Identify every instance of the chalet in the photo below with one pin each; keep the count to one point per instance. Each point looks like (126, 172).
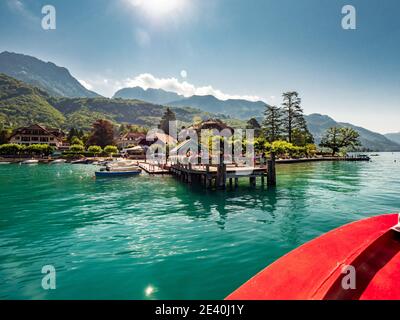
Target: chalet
(38, 134)
(130, 139)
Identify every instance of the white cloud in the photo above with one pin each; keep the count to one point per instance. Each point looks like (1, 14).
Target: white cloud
(147, 80)
(107, 87)
(17, 6)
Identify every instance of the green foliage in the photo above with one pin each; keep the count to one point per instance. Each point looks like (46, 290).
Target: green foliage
(168, 116)
(34, 149)
(76, 140)
(337, 138)
(110, 150)
(22, 104)
(11, 149)
(102, 134)
(272, 124)
(293, 119)
(5, 135)
(288, 150)
(95, 150)
(261, 145)
(76, 148)
(39, 149)
(253, 124)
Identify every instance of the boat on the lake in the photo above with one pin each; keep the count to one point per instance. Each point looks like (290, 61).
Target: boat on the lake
(358, 261)
(119, 168)
(30, 161)
(4, 162)
(58, 161)
(82, 161)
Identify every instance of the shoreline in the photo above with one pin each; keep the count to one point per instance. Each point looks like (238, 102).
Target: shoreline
(278, 161)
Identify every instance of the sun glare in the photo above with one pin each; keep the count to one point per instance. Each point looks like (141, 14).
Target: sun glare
(159, 8)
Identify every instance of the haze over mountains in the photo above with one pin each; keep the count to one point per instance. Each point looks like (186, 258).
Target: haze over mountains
(50, 94)
(395, 137)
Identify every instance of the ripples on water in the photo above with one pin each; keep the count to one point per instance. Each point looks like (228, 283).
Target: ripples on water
(117, 238)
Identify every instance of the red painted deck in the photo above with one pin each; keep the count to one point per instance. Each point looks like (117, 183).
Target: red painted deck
(314, 270)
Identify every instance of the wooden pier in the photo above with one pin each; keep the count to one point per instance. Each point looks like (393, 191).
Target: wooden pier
(220, 176)
(154, 168)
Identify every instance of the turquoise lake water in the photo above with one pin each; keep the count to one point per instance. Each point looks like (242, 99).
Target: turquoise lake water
(156, 238)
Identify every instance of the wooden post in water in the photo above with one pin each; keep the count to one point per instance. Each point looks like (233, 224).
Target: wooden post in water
(271, 175)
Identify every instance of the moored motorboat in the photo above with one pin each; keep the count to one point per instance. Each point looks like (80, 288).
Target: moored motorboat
(119, 168)
(5, 162)
(30, 161)
(81, 161)
(359, 261)
(58, 161)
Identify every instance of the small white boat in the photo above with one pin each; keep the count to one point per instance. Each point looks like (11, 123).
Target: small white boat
(5, 163)
(119, 168)
(31, 161)
(58, 161)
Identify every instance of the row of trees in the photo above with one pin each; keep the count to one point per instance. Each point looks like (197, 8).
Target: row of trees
(18, 149)
(286, 127)
(77, 146)
(287, 122)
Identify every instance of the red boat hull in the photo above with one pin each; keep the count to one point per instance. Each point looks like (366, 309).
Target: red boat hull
(315, 271)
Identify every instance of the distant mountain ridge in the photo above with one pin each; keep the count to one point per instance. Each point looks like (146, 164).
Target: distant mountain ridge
(395, 137)
(22, 104)
(55, 80)
(235, 108)
(157, 96)
(318, 124)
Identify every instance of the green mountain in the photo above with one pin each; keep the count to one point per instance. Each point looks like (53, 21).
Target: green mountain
(395, 137)
(55, 80)
(373, 141)
(235, 108)
(22, 104)
(157, 96)
(82, 112)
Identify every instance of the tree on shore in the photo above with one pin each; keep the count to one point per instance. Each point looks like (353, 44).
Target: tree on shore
(95, 150)
(102, 134)
(76, 148)
(337, 138)
(253, 124)
(294, 123)
(272, 124)
(168, 116)
(110, 150)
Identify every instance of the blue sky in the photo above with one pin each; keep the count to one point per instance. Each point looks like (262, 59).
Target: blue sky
(231, 48)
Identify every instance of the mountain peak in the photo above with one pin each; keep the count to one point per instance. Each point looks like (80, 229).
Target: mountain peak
(55, 80)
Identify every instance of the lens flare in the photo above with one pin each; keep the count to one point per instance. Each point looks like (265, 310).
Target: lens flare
(159, 8)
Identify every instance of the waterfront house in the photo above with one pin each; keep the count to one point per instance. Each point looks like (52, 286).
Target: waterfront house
(38, 134)
(130, 139)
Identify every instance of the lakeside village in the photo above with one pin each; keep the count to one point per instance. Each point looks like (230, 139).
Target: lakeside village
(208, 151)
